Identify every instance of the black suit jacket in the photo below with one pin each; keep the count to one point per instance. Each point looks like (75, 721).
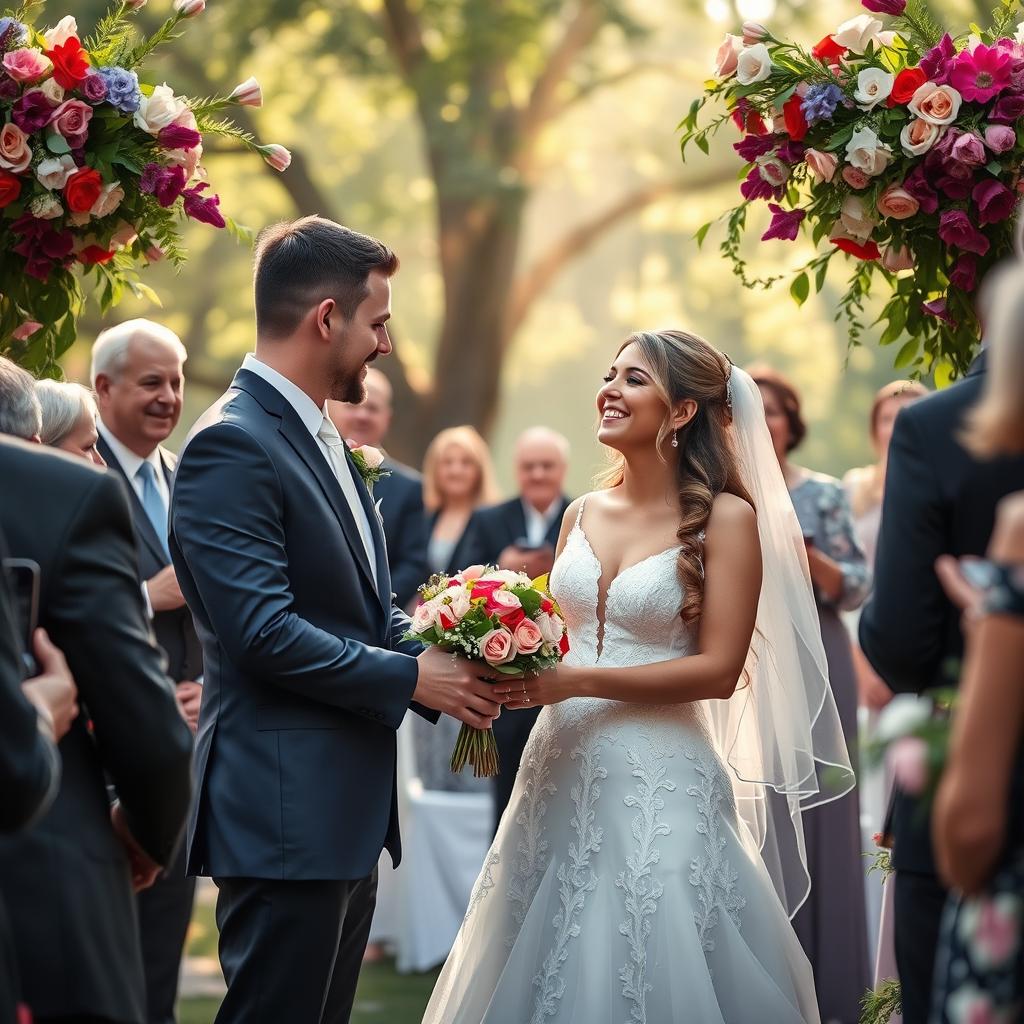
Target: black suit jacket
(306, 680)
(66, 881)
(174, 630)
(938, 500)
(491, 530)
(405, 528)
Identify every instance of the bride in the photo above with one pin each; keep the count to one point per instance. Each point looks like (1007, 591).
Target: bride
(652, 853)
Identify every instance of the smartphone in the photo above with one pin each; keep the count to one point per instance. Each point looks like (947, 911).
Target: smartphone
(23, 576)
(980, 573)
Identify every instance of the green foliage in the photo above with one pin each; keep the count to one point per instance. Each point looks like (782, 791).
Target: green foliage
(879, 1006)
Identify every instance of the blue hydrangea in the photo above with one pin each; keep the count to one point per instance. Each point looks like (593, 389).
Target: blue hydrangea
(122, 89)
(12, 34)
(820, 102)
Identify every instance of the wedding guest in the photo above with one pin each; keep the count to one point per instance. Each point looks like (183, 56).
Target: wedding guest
(400, 492)
(832, 924)
(939, 499)
(69, 419)
(520, 534)
(20, 415)
(458, 478)
(67, 882)
(138, 373)
(978, 824)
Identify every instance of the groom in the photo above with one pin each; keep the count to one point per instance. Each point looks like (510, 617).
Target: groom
(281, 558)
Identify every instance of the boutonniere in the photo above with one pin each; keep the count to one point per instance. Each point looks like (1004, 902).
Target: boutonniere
(370, 464)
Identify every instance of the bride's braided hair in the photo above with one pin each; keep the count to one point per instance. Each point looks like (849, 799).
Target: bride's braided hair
(684, 365)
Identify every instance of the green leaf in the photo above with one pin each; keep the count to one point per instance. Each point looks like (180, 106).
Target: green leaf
(702, 144)
(906, 355)
(702, 233)
(800, 288)
(57, 144)
(507, 670)
(819, 276)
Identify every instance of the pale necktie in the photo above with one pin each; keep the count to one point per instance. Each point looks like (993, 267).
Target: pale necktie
(153, 502)
(328, 433)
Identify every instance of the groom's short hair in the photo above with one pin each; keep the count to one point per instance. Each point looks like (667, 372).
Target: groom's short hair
(300, 263)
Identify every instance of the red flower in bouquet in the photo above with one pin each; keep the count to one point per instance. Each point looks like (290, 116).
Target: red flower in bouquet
(93, 254)
(793, 116)
(83, 188)
(70, 63)
(908, 81)
(855, 247)
(828, 51)
(10, 188)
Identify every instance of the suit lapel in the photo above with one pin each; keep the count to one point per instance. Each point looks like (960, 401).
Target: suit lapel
(144, 530)
(517, 520)
(376, 531)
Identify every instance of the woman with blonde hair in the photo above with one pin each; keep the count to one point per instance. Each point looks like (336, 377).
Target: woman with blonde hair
(458, 478)
(69, 418)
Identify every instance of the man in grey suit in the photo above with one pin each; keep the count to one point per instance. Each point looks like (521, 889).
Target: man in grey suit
(138, 376)
(281, 558)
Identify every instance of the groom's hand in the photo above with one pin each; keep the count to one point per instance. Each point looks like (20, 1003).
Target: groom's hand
(455, 686)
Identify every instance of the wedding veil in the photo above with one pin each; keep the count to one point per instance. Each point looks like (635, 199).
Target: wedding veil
(780, 732)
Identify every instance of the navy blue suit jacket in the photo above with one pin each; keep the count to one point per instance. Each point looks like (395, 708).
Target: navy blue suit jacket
(306, 676)
(400, 498)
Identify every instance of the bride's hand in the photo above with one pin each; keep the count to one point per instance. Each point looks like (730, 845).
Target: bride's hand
(549, 687)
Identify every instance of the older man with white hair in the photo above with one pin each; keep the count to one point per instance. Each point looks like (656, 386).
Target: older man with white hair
(138, 377)
(20, 414)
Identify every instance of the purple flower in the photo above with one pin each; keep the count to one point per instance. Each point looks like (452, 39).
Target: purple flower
(12, 34)
(203, 208)
(820, 102)
(1009, 109)
(965, 273)
(979, 74)
(94, 89)
(969, 149)
(176, 136)
(32, 111)
(785, 224)
(937, 309)
(754, 146)
(165, 183)
(1000, 138)
(920, 188)
(894, 7)
(956, 230)
(936, 62)
(122, 89)
(995, 201)
(755, 187)
(792, 152)
(9, 88)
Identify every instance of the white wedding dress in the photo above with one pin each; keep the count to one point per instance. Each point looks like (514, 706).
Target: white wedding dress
(622, 886)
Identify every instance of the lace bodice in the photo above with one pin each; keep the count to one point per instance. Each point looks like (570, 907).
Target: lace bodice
(641, 609)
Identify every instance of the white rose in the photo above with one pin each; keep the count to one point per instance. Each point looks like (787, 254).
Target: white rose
(109, 199)
(457, 598)
(754, 64)
(918, 136)
(902, 715)
(550, 627)
(506, 599)
(858, 33)
(422, 618)
(46, 207)
(867, 153)
(507, 576)
(856, 219)
(374, 458)
(52, 91)
(64, 30)
(159, 110)
(53, 173)
(1019, 34)
(873, 86)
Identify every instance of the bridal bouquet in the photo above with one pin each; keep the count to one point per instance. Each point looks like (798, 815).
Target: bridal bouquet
(97, 168)
(495, 616)
(900, 146)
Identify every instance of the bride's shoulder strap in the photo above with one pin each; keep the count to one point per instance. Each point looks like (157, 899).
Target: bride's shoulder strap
(579, 510)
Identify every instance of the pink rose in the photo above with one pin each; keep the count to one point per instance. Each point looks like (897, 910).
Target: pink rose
(908, 760)
(855, 218)
(15, 152)
(821, 165)
(109, 199)
(754, 32)
(895, 260)
(527, 637)
(938, 104)
(919, 136)
(773, 170)
(124, 234)
(727, 56)
(26, 65)
(551, 627)
(472, 572)
(1000, 138)
(497, 647)
(374, 458)
(71, 120)
(969, 149)
(855, 178)
(53, 173)
(422, 618)
(25, 330)
(896, 203)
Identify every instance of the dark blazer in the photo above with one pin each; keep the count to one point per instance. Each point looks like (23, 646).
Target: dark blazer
(938, 500)
(66, 881)
(491, 530)
(174, 630)
(306, 676)
(400, 496)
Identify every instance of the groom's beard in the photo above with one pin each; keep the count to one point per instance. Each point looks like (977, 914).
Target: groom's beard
(348, 389)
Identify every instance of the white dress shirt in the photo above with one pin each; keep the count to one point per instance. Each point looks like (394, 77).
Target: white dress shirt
(313, 419)
(538, 523)
(130, 463)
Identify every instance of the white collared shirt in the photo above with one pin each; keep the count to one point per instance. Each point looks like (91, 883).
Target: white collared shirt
(130, 463)
(312, 416)
(538, 523)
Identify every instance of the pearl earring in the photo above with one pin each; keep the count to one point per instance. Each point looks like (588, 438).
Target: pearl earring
(675, 440)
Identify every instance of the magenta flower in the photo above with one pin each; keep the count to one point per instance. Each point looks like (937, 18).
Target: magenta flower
(937, 309)
(203, 208)
(956, 230)
(980, 74)
(755, 187)
(32, 112)
(165, 183)
(964, 274)
(995, 201)
(894, 7)
(785, 224)
(920, 188)
(754, 146)
(1008, 109)
(177, 136)
(936, 62)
